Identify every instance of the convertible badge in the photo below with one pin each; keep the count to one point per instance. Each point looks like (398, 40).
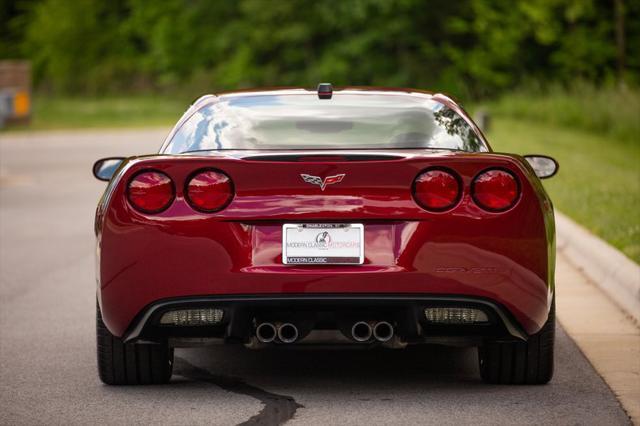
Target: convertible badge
(317, 180)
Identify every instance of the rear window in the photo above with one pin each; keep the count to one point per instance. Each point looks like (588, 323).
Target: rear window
(347, 121)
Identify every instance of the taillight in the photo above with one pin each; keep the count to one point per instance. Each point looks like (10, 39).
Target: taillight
(209, 191)
(495, 190)
(150, 192)
(437, 189)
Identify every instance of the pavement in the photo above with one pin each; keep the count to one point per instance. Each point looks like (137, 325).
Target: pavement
(47, 333)
(612, 271)
(606, 334)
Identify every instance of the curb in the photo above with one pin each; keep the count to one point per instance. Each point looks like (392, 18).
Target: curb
(608, 268)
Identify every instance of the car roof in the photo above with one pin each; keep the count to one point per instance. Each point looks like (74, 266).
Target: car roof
(348, 90)
(352, 90)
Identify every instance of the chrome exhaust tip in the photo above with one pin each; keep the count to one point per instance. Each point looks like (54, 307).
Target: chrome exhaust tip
(266, 332)
(361, 331)
(383, 331)
(287, 333)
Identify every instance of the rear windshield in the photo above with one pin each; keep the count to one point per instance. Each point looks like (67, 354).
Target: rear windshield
(347, 121)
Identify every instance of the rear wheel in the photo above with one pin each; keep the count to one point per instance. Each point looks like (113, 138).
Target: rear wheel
(128, 363)
(529, 362)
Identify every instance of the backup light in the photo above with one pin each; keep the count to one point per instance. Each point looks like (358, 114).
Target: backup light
(455, 315)
(192, 317)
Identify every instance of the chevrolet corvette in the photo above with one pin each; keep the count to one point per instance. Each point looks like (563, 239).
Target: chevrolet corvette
(369, 217)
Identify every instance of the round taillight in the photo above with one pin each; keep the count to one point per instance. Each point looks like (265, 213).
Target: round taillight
(495, 190)
(436, 190)
(209, 191)
(150, 192)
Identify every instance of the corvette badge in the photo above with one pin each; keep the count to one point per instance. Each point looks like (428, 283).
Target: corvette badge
(317, 180)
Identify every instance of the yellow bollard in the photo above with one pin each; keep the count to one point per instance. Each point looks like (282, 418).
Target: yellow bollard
(21, 104)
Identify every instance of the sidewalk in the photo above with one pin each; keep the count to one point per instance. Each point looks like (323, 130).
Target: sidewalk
(613, 272)
(607, 336)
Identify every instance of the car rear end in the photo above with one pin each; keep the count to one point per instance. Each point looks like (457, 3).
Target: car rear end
(342, 246)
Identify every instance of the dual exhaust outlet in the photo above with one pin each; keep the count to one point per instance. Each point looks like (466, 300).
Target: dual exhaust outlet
(361, 331)
(268, 332)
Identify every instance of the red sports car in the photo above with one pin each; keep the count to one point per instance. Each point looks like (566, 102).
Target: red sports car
(359, 216)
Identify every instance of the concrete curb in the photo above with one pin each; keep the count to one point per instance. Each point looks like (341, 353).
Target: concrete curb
(608, 268)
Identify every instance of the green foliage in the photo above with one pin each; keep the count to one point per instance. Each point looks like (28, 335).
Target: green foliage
(80, 45)
(12, 25)
(598, 184)
(469, 48)
(555, 40)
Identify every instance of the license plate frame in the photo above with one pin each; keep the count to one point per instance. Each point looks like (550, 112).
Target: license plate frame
(310, 246)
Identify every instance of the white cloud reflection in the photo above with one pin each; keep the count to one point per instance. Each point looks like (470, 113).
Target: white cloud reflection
(347, 121)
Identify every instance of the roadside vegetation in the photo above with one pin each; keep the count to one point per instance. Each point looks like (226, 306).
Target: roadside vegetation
(90, 112)
(611, 111)
(468, 48)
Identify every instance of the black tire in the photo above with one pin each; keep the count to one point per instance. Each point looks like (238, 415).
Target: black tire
(128, 363)
(520, 363)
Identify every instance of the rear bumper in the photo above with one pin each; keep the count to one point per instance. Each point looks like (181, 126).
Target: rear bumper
(406, 258)
(406, 313)
(131, 293)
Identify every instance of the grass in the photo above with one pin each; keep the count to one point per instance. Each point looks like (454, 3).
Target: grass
(70, 113)
(598, 184)
(610, 111)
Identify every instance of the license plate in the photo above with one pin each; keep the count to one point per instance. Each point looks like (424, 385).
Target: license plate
(323, 243)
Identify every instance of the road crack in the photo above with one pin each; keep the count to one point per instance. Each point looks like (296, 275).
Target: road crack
(277, 409)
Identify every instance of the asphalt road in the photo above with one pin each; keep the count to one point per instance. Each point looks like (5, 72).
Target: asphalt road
(47, 341)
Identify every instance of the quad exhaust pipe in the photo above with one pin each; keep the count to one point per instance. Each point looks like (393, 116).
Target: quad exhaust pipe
(362, 331)
(383, 331)
(287, 333)
(267, 332)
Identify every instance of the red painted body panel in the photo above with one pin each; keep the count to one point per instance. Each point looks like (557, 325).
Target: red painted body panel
(506, 257)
